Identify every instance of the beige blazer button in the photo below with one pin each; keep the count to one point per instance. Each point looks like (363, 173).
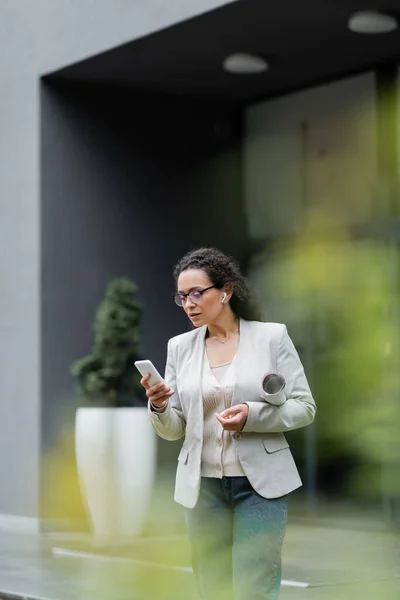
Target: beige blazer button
(237, 436)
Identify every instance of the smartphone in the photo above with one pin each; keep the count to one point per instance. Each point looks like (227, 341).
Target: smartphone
(146, 366)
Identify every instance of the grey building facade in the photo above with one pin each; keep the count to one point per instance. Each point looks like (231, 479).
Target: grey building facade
(37, 39)
(99, 178)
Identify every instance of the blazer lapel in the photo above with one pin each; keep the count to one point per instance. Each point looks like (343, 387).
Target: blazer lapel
(244, 366)
(197, 355)
(195, 374)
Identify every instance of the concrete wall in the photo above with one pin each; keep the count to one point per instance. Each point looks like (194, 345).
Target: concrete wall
(128, 186)
(36, 38)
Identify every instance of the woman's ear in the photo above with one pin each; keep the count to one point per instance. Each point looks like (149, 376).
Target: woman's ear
(228, 290)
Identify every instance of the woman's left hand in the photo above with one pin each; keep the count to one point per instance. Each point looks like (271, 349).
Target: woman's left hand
(234, 418)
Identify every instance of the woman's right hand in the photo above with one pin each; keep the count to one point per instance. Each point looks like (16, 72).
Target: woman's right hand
(158, 394)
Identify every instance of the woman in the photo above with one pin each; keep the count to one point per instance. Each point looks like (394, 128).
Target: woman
(235, 468)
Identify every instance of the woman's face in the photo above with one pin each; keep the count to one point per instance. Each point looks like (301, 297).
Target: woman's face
(208, 307)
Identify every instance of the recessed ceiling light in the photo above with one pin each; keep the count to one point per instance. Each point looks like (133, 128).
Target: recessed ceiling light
(245, 64)
(372, 22)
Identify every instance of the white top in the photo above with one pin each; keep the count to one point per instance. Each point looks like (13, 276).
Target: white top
(220, 370)
(218, 456)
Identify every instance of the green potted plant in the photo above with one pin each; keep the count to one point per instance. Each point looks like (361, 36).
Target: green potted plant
(112, 428)
(106, 376)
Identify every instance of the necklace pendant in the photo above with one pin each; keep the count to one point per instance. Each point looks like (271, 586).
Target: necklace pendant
(224, 341)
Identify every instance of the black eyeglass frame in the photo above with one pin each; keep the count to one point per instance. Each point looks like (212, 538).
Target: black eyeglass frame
(201, 292)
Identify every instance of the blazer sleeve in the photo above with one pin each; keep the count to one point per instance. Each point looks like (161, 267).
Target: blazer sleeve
(298, 406)
(169, 423)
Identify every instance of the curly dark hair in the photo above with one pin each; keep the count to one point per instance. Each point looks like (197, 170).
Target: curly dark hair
(222, 269)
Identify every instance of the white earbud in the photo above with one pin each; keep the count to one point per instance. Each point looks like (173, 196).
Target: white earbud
(224, 297)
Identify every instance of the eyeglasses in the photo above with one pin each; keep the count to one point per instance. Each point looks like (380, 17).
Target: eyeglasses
(194, 295)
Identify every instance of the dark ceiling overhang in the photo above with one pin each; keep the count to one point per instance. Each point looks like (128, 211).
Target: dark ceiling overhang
(307, 42)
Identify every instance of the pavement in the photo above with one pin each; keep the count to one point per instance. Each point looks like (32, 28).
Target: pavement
(334, 560)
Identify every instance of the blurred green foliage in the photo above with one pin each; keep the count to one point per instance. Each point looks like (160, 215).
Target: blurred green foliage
(345, 292)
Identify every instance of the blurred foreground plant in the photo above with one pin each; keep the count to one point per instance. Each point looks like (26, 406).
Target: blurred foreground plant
(343, 291)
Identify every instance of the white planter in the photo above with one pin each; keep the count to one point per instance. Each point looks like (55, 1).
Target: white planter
(116, 458)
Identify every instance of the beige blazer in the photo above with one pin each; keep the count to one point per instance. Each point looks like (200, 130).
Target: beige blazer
(261, 445)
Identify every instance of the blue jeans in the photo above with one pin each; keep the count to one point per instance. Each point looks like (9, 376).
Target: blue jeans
(236, 539)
